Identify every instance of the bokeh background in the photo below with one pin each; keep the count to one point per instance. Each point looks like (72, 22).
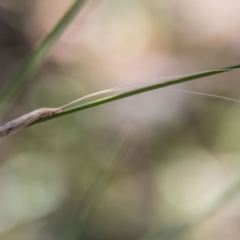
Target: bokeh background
(160, 164)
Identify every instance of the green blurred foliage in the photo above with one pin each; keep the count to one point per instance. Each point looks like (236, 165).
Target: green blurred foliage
(185, 151)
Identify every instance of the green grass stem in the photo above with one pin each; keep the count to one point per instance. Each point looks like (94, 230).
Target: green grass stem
(35, 58)
(148, 88)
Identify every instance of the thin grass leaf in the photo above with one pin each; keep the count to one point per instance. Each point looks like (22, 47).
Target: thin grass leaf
(35, 58)
(126, 94)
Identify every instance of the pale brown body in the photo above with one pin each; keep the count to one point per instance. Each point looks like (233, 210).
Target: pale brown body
(25, 120)
(41, 113)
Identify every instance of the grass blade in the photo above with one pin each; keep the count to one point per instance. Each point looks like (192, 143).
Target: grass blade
(148, 88)
(89, 203)
(40, 52)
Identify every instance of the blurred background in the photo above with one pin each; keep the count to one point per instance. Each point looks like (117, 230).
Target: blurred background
(146, 167)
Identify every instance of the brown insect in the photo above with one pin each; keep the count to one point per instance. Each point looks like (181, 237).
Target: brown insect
(41, 113)
(25, 120)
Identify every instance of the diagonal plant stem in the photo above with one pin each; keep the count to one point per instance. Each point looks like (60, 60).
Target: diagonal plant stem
(148, 88)
(35, 58)
(44, 114)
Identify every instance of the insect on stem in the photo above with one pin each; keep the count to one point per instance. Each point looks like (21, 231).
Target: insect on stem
(42, 113)
(39, 114)
(25, 120)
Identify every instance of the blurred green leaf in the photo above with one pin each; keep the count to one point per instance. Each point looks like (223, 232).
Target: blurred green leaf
(35, 58)
(94, 194)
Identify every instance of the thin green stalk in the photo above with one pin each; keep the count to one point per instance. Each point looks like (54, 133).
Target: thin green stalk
(99, 186)
(112, 98)
(37, 56)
